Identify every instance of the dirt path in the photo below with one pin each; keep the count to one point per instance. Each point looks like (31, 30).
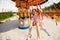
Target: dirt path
(10, 31)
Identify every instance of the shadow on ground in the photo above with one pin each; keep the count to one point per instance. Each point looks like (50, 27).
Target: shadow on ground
(7, 26)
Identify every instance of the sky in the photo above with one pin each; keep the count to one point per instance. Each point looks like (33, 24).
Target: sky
(8, 5)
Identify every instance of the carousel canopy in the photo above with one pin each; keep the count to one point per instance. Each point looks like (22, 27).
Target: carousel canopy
(28, 3)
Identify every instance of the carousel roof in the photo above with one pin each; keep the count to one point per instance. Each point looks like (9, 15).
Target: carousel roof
(28, 3)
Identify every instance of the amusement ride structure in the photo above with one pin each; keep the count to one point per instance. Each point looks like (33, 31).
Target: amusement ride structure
(25, 16)
(24, 5)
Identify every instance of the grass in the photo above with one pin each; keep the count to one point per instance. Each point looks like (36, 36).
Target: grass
(5, 15)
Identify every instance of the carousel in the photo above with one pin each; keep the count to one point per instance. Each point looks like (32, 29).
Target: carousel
(28, 18)
(23, 13)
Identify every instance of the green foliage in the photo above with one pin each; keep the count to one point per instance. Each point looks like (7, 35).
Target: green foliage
(5, 15)
(52, 7)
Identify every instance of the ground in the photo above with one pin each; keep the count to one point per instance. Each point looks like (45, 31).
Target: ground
(9, 30)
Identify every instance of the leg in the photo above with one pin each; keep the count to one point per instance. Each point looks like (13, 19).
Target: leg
(41, 25)
(29, 33)
(29, 22)
(56, 23)
(30, 29)
(37, 31)
(46, 32)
